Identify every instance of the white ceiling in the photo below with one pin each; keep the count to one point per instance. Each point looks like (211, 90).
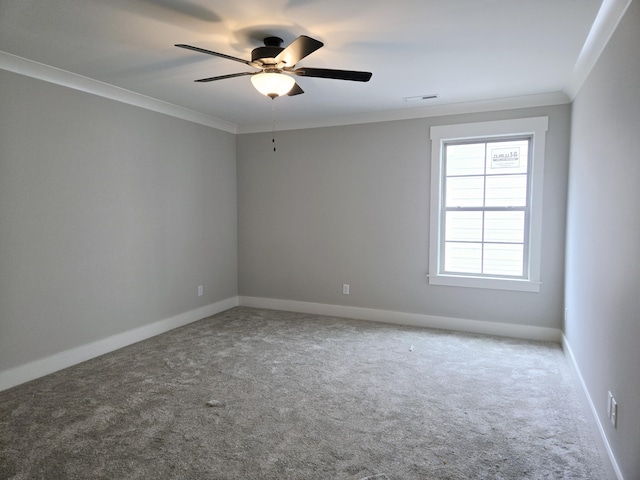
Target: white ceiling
(463, 50)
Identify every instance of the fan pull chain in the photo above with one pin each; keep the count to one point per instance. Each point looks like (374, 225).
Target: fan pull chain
(273, 123)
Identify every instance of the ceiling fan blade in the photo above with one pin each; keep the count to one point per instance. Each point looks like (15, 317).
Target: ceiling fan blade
(295, 90)
(222, 77)
(215, 54)
(298, 49)
(330, 73)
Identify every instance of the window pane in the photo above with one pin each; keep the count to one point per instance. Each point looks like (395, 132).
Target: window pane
(504, 227)
(463, 257)
(503, 259)
(463, 226)
(464, 192)
(506, 191)
(507, 157)
(465, 159)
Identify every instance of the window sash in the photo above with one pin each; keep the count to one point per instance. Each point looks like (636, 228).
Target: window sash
(482, 242)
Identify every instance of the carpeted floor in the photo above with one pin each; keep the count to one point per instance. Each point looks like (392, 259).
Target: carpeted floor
(260, 394)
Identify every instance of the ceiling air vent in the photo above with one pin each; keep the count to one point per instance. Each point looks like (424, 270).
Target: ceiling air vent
(421, 98)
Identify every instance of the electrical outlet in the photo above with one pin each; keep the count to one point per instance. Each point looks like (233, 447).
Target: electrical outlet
(614, 412)
(345, 289)
(200, 290)
(612, 409)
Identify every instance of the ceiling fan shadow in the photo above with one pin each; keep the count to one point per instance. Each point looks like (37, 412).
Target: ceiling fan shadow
(190, 9)
(153, 69)
(170, 11)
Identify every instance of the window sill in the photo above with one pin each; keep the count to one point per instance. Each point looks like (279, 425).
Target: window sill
(484, 282)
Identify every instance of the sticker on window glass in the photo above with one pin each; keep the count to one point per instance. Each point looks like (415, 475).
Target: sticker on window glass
(505, 157)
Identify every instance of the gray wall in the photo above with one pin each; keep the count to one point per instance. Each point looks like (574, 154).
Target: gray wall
(350, 205)
(110, 217)
(603, 238)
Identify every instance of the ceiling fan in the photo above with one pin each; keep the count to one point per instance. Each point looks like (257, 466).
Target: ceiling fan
(276, 65)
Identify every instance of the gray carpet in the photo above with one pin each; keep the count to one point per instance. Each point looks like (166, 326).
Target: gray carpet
(260, 394)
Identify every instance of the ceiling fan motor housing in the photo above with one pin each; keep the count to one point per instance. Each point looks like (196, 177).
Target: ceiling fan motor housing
(268, 53)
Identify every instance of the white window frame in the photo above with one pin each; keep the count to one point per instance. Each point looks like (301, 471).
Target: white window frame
(536, 127)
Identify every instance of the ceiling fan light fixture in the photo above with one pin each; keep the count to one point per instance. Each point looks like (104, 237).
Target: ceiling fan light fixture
(273, 84)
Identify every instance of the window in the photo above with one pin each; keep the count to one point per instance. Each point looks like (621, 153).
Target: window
(486, 204)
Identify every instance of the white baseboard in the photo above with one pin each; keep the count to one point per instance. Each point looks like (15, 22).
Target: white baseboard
(572, 360)
(410, 319)
(44, 366)
(53, 363)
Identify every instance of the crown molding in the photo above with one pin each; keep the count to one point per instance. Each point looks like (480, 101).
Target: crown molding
(508, 103)
(47, 73)
(606, 22)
